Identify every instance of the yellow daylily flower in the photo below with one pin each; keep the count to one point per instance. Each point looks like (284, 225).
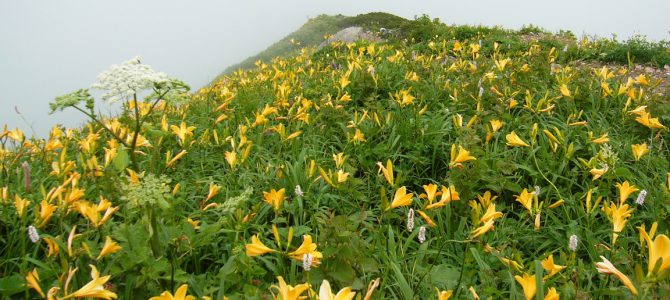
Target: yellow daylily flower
(33, 281)
(447, 195)
(213, 190)
(256, 247)
(619, 216)
(484, 228)
(231, 158)
(512, 264)
(344, 81)
(646, 120)
(194, 223)
(526, 199)
(110, 247)
(625, 189)
(601, 140)
(401, 198)
(490, 214)
(275, 198)
(443, 295)
(641, 79)
(180, 294)
(325, 293)
(473, 293)
(20, 205)
(659, 251)
(426, 218)
(183, 132)
(606, 267)
(16, 134)
(387, 171)
(46, 211)
(514, 140)
(462, 156)
(287, 292)
(597, 173)
(564, 90)
(639, 150)
(549, 266)
(496, 125)
(52, 245)
(339, 159)
(431, 192)
(404, 98)
(527, 282)
(358, 137)
(342, 176)
(95, 288)
(552, 294)
(457, 119)
(639, 111)
(307, 247)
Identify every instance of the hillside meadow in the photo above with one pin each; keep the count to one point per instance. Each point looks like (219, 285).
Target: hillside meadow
(447, 162)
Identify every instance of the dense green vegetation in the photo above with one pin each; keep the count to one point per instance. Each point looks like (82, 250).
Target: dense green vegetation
(634, 50)
(452, 161)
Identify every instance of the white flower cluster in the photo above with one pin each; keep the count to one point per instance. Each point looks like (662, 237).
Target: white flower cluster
(422, 234)
(307, 260)
(126, 79)
(640, 197)
(573, 243)
(33, 235)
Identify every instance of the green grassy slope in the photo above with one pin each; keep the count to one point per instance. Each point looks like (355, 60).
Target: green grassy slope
(312, 33)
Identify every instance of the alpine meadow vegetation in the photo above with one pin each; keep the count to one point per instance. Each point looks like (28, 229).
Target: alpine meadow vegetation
(447, 162)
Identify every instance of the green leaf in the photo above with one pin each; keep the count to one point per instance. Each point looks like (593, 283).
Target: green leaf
(11, 285)
(122, 159)
(444, 275)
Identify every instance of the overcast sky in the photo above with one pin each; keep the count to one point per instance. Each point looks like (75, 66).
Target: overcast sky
(49, 48)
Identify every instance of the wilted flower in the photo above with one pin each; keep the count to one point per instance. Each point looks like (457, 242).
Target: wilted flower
(606, 267)
(573, 242)
(32, 234)
(26, 175)
(410, 220)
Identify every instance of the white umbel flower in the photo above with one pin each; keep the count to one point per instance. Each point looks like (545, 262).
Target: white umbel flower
(422, 234)
(307, 260)
(124, 80)
(640, 197)
(32, 234)
(573, 242)
(410, 220)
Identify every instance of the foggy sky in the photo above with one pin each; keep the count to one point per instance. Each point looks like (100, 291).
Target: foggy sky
(49, 48)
